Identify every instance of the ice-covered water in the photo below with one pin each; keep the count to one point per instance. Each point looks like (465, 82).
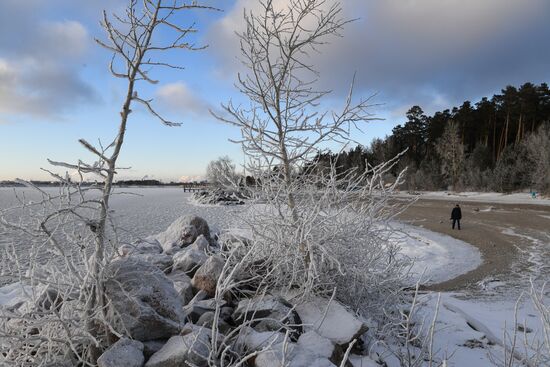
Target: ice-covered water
(141, 215)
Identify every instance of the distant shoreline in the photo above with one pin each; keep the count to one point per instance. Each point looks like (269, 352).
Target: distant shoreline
(125, 183)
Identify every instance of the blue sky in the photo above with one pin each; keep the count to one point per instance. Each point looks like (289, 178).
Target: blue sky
(55, 87)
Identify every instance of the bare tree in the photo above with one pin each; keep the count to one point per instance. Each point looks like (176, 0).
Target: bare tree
(75, 226)
(221, 172)
(322, 223)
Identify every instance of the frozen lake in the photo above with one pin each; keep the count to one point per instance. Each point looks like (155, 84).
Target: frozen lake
(141, 215)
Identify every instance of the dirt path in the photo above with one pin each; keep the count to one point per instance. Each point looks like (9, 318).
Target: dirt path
(514, 240)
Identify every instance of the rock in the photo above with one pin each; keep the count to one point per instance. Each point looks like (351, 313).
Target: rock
(207, 320)
(337, 324)
(162, 261)
(295, 356)
(125, 352)
(189, 261)
(201, 244)
(272, 314)
(320, 346)
(183, 350)
(253, 340)
(362, 361)
(182, 285)
(143, 300)
(206, 277)
(144, 246)
(316, 344)
(183, 232)
(150, 347)
(219, 197)
(196, 308)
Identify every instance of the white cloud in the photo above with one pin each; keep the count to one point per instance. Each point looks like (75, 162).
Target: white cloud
(40, 62)
(40, 89)
(179, 98)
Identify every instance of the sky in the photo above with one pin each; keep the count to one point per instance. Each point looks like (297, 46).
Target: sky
(55, 87)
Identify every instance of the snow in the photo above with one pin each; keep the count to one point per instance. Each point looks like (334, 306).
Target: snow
(480, 197)
(471, 331)
(437, 257)
(331, 320)
(14, 294)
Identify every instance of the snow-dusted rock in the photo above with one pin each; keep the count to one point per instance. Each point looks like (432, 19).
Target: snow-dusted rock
(182, 285)
(320, 346)
(295, 356)
(338, 324)
(253, 340)
(207, 275)
(272, 313)
(219, 196)
(200, 244)
(316, 344)
(145, 246)
(125, 352)
(189, 261)
(362, 361)
(183, 232)
(162, 261)
(143, 299)
(183, 350)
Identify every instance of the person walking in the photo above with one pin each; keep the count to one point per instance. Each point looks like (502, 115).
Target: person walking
(456, 216)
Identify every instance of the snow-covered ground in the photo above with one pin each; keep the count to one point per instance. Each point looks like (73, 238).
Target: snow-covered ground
(438, 257)
(480, 197)
(473, 332)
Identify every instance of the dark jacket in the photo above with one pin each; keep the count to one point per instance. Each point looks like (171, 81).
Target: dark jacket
(456, 213)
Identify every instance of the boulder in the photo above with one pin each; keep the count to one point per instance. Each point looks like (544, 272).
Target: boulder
(125, 352)
(207, 320)
(150, 347)
(206, 277)
(191, 348)
(196, 308)
(268, 313)
(252, 340)
(162, 261)
(322, 347)
(189, 261)
(201, 244)
(182, 285)
(183, 232)
(362, 361)
(144, 246)
(290, 355)
(143, 300)
(330, 320)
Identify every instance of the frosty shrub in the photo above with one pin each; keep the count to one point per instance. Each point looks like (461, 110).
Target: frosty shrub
(325, 230)
(221, 172)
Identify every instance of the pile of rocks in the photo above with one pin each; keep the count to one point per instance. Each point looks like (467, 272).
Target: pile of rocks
(219, 197)
(161, 293)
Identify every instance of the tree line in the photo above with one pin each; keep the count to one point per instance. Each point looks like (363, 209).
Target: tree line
(500, 143)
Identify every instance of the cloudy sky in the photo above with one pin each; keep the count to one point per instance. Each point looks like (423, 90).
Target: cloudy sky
(55, 87)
